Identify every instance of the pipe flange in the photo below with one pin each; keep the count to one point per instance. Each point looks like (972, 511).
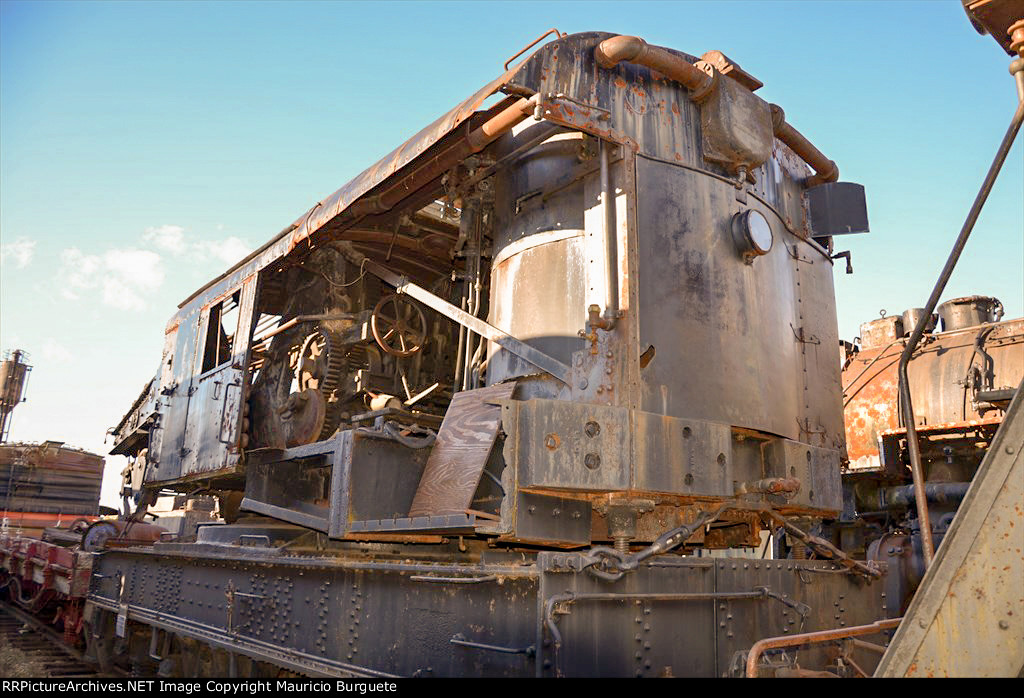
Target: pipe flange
(704, 91)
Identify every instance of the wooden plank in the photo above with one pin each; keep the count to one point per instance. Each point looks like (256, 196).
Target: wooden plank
(460, 453)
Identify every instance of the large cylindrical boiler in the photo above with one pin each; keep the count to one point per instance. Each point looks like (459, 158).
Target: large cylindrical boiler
(538, 265)
(959, 376)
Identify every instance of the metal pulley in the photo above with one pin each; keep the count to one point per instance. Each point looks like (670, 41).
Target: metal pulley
(303, 416)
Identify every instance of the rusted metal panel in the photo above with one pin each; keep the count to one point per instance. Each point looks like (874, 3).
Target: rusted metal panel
(814, 467)
(967, 618)
(461, 451)
(214, 397)
(687, 456)
(49, 478)
(725, 333)
(363, 618)
(939, 373)
(175, 392)
(692, 616)
(555, 444)
(817, 334)
(49, 567)
(871, 405)
(549, 520)
(821, 600)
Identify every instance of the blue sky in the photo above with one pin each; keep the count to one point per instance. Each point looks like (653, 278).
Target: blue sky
(144, 146)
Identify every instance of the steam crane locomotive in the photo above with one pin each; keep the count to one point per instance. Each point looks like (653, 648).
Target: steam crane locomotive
(483, 410)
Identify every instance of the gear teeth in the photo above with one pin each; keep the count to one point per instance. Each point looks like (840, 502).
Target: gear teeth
(337, 368)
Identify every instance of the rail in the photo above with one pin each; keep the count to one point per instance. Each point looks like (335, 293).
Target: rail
(814, 638)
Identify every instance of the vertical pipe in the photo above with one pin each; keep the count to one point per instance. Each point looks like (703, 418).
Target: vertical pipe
(476, 225)
(611, 249)
(462, 341)
(904, 385)
(468, 351)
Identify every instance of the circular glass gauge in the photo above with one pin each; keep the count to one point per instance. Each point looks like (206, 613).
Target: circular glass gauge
(753, 234)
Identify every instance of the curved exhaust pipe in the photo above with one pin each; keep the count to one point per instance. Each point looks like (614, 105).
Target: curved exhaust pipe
(702, 80)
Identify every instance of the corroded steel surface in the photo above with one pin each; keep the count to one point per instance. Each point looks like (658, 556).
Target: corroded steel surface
(937, 376)
(41, 565)
(967, 618)
(668, 378)
(49, 478)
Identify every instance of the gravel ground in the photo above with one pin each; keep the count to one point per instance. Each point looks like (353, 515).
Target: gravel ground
(16, 664)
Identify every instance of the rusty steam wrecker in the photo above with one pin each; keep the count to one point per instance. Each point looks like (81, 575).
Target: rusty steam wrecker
(550, 390)
(962, 378)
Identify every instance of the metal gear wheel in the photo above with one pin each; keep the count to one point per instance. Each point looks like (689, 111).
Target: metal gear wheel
(322, 366)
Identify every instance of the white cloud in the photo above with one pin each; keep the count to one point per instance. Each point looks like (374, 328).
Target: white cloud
(228, 251)
(174, 239)
(56, 352)
(125, 276)
(78, 271)
(20, 251)
(166, 237)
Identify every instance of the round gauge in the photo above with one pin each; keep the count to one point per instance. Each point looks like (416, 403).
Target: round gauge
(753, 234)
(759, 231)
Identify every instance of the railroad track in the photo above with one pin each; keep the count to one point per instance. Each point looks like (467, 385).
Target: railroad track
(43, 648)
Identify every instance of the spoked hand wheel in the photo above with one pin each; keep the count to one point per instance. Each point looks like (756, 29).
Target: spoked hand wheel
(398, 325)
